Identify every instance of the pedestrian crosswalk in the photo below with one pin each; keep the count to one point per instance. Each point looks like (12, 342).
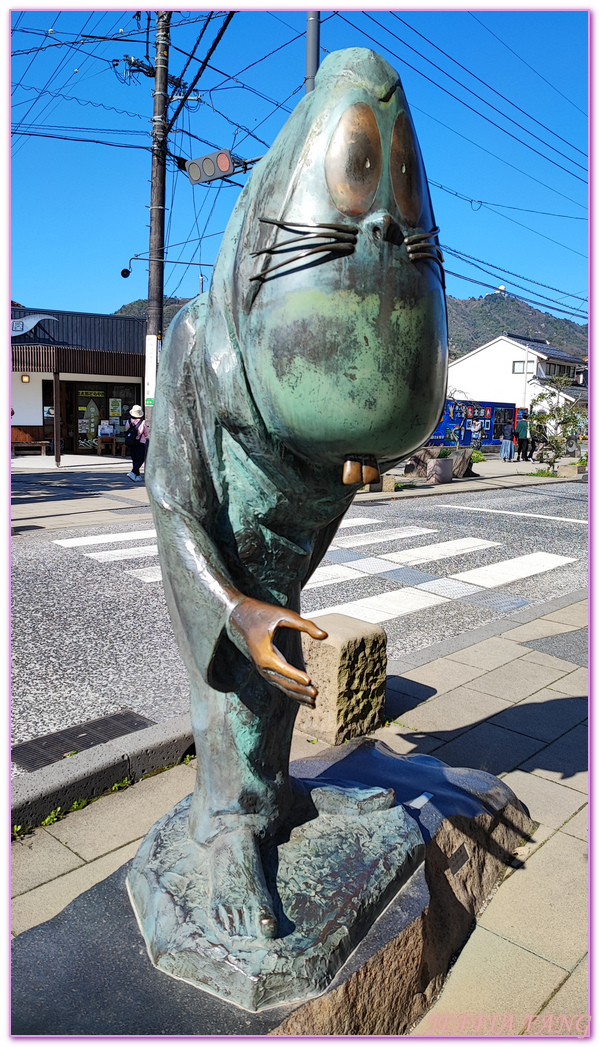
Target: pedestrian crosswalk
(414, 589)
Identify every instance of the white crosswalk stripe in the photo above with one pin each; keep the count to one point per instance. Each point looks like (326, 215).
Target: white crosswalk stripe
(358, 521)
(330, 574)
(111, 555)
(440, 551)
(513, 570)
(148, 574)
(104, 539)
(388, 534)
(382, 608)
(396, 566)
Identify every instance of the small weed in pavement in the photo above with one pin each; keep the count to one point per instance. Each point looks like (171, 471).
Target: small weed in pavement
(404, 487)
(120, 785)
(542, 472)
(78, 805)
(54, 816)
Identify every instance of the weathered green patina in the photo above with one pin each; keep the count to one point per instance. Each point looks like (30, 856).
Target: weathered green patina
(322, 340)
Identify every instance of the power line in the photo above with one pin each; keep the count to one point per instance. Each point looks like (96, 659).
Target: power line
(196, 45)
(57, 70)
(93, 141)
(487, 266)
(489, 87)
(554, 88)
(511, 207)
(520, 298)
(80, 101)
(203, 65)
(457, 99)
(500, 158)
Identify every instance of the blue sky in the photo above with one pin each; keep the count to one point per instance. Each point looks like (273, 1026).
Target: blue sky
(80, 210)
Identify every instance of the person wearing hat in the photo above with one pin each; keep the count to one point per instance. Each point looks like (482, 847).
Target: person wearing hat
(136, 441)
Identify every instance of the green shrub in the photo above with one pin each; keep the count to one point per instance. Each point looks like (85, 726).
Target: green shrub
(445, 452)
(477, 456)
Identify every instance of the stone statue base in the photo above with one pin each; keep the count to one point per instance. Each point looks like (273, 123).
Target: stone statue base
(331, 871)
(86, 971)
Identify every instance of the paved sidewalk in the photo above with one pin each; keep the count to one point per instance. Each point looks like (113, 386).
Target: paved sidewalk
(505, 703)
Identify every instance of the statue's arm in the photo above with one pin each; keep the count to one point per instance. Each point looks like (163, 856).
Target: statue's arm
(202, 597)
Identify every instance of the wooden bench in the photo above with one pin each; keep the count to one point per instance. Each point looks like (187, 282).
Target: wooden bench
(111, 440)
(30, 445)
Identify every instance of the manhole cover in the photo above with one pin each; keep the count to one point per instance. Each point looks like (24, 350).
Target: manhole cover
(50, 748)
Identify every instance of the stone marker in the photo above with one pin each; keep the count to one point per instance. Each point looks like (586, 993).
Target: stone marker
(439, 470)
(349, 668)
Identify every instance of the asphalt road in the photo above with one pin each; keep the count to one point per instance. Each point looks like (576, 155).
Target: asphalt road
(90, 638)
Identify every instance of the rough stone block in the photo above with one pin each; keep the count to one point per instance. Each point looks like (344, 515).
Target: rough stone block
(439, 471)
(349, 669)
(386, 483)
(420, 460)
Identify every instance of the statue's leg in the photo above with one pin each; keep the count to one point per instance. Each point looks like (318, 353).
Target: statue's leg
(242, 791)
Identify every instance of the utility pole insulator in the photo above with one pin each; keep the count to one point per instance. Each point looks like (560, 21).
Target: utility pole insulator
(154, 316)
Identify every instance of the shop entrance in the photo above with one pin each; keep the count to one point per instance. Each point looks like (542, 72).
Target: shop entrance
(84, 407)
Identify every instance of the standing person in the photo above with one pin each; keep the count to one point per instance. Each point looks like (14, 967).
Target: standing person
(523, 437)
(136, 441)
(507, 446)
(476, 433)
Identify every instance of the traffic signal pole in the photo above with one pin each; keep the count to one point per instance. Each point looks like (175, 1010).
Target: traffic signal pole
(313, 32)
(154, 315)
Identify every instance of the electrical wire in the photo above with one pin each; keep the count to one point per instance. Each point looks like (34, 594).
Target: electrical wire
(500, 158)
(485, 267)
(520, 298)
(92, 141)
(56, 72)
(457, 99)
(203, 65)
(194, 49)
(489, 86)
(511, 207)
(80, 101)
(554, 88)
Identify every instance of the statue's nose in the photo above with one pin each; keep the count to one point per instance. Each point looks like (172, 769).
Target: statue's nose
(382, 227)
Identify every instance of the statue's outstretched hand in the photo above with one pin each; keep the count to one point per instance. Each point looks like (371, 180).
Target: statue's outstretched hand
(251, 627)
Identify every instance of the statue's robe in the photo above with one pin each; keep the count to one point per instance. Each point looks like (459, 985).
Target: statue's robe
(234, 510)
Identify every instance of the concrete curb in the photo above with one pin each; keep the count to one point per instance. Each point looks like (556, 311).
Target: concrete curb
(91, 773)
(482, 485)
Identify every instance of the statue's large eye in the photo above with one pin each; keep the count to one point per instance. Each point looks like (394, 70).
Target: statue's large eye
(353, 161)
(406, 170)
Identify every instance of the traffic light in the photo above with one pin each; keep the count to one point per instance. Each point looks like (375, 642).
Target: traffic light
(207, 168)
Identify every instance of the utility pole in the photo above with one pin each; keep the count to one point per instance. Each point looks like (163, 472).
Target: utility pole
(313, 27)
(154, 315)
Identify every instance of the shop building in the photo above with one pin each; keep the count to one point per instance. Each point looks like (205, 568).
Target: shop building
(515, 369)
(71, 372)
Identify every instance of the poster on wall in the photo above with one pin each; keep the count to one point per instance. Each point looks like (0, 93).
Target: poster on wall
(114, 406)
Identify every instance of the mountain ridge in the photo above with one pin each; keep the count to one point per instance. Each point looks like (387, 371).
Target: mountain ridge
(472, 322)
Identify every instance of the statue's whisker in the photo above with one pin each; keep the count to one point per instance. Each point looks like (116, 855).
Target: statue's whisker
(333, 249)
(348, 238)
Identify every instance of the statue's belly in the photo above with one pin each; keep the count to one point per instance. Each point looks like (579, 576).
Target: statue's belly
(335, 375)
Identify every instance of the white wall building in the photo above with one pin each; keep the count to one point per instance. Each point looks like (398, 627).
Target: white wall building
(510, 369)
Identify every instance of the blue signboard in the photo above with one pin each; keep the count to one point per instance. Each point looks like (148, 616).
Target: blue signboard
(462, 418)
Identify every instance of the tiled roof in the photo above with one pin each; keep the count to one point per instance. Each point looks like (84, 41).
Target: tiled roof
(548, 351)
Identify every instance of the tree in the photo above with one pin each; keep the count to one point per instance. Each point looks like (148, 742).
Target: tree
(554, 418)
